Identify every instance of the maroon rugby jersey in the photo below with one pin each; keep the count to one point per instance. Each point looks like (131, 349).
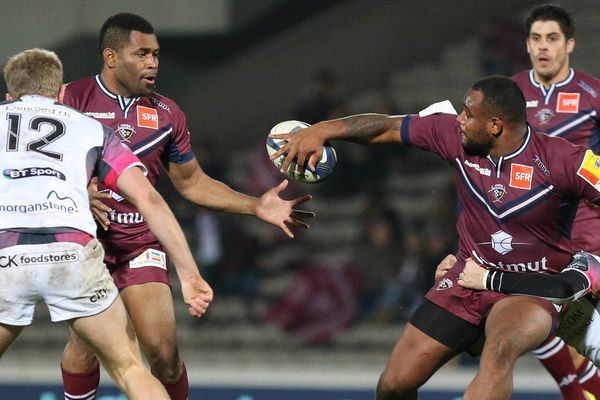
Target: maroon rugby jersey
(569, 109)
(514, 211)
(155, 129)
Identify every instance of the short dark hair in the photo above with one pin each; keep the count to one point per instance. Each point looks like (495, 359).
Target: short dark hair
(502, 97)
(115, 31)
(551, 12)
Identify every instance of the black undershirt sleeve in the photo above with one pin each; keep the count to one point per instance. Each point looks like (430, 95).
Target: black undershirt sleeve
(558, 288)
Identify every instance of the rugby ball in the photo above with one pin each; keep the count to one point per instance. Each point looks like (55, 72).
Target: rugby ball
(324, 167)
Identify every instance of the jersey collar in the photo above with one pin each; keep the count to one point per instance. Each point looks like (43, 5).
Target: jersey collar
(547, 93)
(124, 103)
(498, 163)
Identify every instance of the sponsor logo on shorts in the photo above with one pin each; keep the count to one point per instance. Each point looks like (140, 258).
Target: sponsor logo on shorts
(100, 115)
(589, 169)
(21, 260)
(55, 203)
(521, 176)
(147, 117)
(444, 284)
(568, 103)
(32, 172)
(98, 295)
(150, 258)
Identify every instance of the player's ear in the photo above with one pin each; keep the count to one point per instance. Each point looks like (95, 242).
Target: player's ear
(570, 45)
(496, 126)
(8, 96)
(110, 57)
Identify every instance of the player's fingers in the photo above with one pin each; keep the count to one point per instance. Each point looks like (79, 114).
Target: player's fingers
(298, 223)
(313, 160)
(287, 230)
(102, 218)
(302, 214)
(300, 161)
(279, 188)
(301, 200)
(96, 204)
(289, 158)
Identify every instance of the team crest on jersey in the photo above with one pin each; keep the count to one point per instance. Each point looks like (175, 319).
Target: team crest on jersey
(521, 176)
(589, 169)
(444, 284)
(147, 117)
(498, 191)
(544, 116)
(126, 131)
(568, 103)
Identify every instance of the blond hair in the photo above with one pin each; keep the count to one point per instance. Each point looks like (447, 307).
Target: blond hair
(33, 72)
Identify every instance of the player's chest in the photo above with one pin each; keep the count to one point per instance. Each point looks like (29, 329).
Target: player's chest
(507, 188)
(560, 110)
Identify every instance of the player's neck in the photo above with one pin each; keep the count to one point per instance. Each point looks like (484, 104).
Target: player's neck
(548, 81)
(113, 85)
(509, 142)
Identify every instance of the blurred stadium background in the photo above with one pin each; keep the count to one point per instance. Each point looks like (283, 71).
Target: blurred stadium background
(312, 318)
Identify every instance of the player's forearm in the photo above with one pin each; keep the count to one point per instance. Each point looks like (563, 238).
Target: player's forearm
(558, 288)
(361, 128)
(163, 224)
(216, 195)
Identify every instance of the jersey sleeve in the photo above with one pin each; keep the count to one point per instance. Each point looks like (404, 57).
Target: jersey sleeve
(116, 158)
(179, 150)
(438, 133)
(582, 168)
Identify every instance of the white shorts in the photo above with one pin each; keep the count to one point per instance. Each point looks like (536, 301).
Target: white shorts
(71, 279)
(579, 327)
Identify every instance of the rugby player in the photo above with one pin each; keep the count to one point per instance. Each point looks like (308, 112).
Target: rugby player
(563, 102)
(506, 197)
(122, 96)
(48, 249)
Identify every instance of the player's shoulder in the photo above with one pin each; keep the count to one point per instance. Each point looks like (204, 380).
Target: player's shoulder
(587, 82)
(164, 103)
(555, 148)
(521, 77)
(78, 85)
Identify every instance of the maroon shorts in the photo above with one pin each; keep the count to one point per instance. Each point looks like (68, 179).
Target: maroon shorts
(149, 264)
(470, 305)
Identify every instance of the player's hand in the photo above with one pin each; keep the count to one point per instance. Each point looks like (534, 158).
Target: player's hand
(472, 276)
(303, 145)
(273, 209)
(99, 209)
(444, 266)
(197, 294)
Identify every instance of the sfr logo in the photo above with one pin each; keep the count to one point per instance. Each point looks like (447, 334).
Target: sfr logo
(521, 176)
(147, 117)
(567, 103)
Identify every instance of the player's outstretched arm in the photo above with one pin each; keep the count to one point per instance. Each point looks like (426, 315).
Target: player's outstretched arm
(134, 186)
(196, 186)
(307, 144)
(567, 286)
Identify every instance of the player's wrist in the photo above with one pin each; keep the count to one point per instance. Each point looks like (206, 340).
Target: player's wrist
(485, 278)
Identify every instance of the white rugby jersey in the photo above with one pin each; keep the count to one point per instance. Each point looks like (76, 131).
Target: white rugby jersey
(49, 152)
